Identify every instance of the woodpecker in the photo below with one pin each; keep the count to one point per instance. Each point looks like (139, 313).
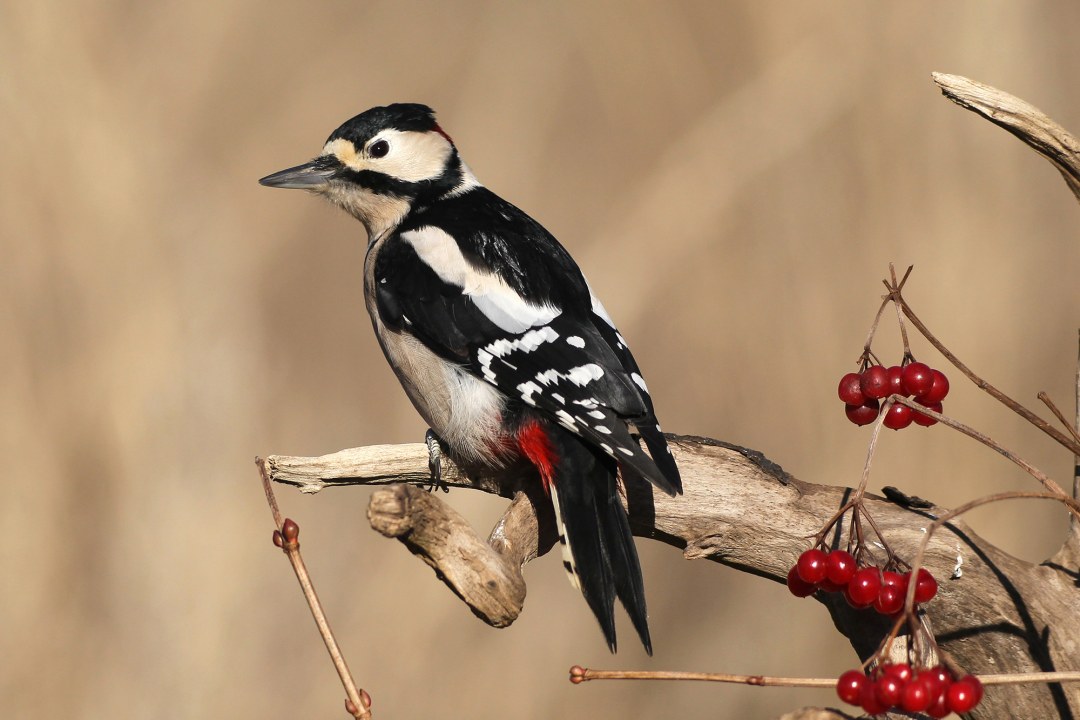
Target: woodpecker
(497, 339)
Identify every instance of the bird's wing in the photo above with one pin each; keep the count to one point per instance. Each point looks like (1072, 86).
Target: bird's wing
(539, 344)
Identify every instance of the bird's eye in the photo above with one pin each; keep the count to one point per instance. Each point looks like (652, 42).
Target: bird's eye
(379, 149)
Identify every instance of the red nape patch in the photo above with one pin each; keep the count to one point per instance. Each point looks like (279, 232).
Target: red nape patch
(443, 133)
(534, 444)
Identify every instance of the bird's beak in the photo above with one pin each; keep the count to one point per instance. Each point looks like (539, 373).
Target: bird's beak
(314, 175)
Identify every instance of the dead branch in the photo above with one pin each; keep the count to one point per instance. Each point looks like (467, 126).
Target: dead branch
(994, 613)
(1020, 118)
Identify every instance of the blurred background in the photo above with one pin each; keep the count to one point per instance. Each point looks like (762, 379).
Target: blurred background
(733, 177)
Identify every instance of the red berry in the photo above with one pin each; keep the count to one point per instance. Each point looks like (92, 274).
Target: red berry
(896, 380)
(868, 699)
(938, 389)
(937, 681)
(888, 690)
(900, 671)
(839, 568)
(862, 414)
(798, 586)
(811, 566)
(918, 378)
(895, 579)
(925, 586)
(849, 686)
(926, 420)
(875, 382)
(939, 708)
(898, 417)
(962, 695)
(849, 390)
(864, 587)
(889, 600)
(916, 696)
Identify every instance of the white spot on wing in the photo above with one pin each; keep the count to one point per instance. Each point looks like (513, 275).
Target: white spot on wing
(598, 414)
(639, 381)
(624, 451)
(585, 374)
(575, 341)
(559, 398)
(527, 389)
(566, 420)
(602, 429)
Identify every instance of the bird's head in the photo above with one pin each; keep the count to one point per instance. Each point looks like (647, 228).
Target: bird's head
(381, 164)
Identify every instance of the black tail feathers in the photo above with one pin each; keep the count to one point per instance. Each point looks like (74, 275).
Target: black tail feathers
(598, 548)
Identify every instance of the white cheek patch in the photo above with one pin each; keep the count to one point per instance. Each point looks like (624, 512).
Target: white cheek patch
(344, 151)
(413, 156)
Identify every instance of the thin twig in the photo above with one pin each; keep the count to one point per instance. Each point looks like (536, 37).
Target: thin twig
(909, 601)
(579, 675)
(1001, 397)
(1039, 475)
(1076, 424)
(358, 702)
(894, 291)
(1058, 414)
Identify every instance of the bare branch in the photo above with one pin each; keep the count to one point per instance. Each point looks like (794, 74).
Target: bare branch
(1020, 118)
(993, 614)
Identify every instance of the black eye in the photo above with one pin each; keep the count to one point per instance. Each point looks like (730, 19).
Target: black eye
(379, 149)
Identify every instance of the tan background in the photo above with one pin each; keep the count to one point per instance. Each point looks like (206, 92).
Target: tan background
(733, 177)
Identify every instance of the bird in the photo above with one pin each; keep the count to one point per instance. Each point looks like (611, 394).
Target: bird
(498, 340)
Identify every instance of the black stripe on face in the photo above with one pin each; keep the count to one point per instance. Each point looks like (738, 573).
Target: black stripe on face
(384, 184)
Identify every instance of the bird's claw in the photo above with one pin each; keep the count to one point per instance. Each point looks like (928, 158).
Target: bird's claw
(434, 463)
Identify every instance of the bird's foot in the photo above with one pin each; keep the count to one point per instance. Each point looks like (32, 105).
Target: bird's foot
(434, 463)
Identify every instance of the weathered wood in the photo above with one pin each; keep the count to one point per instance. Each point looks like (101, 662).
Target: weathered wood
(1020, 118)
(994, 613)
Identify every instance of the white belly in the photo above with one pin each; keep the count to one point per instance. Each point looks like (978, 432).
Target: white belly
(464, 411)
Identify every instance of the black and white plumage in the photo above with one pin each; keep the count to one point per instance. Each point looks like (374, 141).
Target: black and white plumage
(497, 338)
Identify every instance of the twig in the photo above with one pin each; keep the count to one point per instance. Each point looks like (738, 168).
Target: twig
(579, 675)
(894, 291)
(1058, 414)
(916, 565)
(357, 702)
(1001, 397)
(1039, 475)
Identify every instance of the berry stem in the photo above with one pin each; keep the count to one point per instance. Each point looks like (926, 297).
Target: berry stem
(894, 295)
(958, 511)
(1071, 444)
(1030, 469)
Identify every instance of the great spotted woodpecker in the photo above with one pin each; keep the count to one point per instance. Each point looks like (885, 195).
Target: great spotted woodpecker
(497, 338)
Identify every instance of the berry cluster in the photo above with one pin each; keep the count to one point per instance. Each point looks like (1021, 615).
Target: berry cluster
(862, 391)
(933, 691)
(865, 587)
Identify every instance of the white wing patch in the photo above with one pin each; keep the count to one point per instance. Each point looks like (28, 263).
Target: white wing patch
(598, 308)
(575, 341)
(491, 295)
